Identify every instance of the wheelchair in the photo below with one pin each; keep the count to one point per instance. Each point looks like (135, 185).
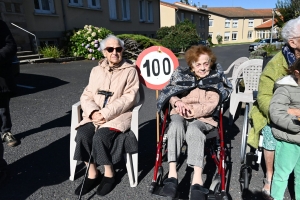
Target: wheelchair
(216, 148)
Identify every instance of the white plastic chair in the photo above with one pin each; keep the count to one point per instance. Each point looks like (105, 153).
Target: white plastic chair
(131, 159)
(235, 65)
(250, 71)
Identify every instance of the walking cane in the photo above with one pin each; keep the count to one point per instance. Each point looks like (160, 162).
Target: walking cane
(107, 94)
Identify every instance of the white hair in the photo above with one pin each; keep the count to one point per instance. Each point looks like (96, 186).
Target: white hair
(109, 37)
(291, 29)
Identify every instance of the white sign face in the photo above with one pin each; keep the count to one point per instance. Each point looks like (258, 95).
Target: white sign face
(156, 67)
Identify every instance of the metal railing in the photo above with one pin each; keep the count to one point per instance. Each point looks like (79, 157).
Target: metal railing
(31, 34)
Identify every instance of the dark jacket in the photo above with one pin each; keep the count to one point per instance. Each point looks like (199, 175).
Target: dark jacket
(183, 80)
(8, 49)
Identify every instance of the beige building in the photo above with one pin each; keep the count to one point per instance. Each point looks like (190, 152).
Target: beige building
(49, 19)
(236, 24)
(172, 14)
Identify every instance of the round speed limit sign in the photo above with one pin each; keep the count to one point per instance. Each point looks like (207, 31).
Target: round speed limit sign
(156, 65)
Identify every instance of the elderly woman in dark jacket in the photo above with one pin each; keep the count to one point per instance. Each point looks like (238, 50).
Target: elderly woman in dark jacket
(8, 49)
(193, 95)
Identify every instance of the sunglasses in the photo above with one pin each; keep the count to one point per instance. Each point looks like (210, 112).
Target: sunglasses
(111, 49)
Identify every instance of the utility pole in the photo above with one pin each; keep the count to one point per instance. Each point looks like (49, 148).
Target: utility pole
(273, 11)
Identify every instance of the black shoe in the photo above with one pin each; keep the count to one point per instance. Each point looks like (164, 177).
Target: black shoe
(105, 186)
(89, 184)
(10, 139)
(170, 187)
(198, 192)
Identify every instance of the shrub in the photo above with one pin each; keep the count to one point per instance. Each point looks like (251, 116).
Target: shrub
(181, 36)
(143, 41)
(135, 44)
(257, 54)
(219, 39)
(85, 42)
(51, 52)
(269, 48)
(257, 40)
(164, 31)
(210, 42)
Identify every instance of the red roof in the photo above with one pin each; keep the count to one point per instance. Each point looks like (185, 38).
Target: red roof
(266, 24)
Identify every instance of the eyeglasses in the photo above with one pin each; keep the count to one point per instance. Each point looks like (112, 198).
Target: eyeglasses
(111, 49)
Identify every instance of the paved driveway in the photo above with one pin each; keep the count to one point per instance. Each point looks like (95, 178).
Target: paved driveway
(41, 114)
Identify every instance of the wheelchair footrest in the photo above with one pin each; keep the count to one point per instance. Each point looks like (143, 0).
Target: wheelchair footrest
(158, 191)
(218, 196)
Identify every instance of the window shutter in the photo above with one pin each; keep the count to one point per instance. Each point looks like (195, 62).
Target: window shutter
(80, 2)
(51, 6)
(112, 9)
(98, 4)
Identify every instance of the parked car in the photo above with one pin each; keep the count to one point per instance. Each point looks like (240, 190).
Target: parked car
(262, 42)
(204, 42)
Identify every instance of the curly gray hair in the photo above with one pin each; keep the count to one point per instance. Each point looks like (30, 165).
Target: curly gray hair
(291, 29)
(110, 36)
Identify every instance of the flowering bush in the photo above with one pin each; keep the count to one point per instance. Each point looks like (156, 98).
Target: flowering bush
(86, 42)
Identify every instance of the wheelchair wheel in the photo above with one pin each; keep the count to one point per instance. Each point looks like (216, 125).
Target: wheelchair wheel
(244, 134)
(245, 176)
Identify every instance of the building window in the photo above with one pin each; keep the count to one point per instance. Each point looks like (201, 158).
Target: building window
(192, 18)
(95, 4)
(226, 36)
(211, 22)
(250, 22)
(125, 9)
(112, 9)
(182, 17)
(75, 3)
(203, 22)
(234, 35)
(142, 11)
(249, 36)
(44, 6)
(227, 23)
(150, 11)
(146, 11)
(8, 7)
(235, 23)
(17, 7)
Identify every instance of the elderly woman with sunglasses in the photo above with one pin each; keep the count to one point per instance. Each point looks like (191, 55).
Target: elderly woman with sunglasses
(106, 103)
(194, 92)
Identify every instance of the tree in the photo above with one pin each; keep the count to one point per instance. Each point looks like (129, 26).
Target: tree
(179, 37)
(287, 10)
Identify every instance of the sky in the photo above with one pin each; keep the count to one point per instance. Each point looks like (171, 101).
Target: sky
(248, 4)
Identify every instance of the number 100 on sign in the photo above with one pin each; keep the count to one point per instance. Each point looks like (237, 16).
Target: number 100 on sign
(156, 68)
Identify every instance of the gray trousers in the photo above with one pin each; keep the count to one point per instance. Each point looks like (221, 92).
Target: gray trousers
(190, 130)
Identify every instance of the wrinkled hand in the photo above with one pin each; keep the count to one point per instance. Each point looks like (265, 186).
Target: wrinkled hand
(98, 119)
(294, 111)
(183, 109)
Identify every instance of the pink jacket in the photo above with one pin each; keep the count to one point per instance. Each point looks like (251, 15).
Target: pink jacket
(123, 81)
(202, 103)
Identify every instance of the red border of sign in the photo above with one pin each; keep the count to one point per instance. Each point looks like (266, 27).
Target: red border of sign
(149, 50)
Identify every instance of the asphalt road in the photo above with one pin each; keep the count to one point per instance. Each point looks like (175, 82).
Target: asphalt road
(41, 116)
